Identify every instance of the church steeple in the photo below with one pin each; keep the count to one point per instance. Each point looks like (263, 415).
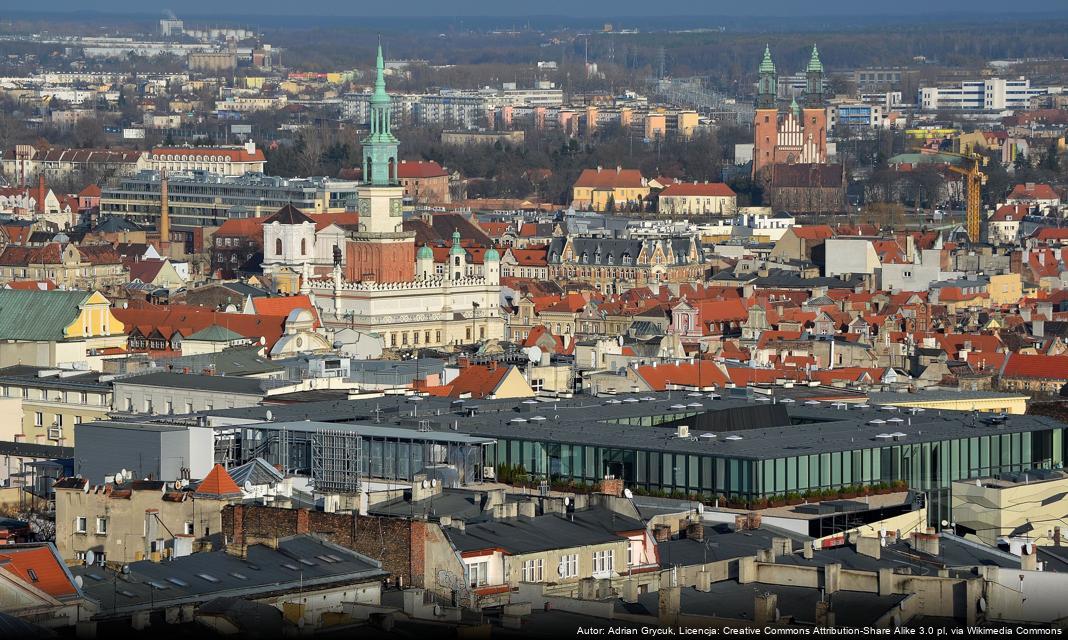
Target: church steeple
(380, 146)
(814, 80)
(767, 89)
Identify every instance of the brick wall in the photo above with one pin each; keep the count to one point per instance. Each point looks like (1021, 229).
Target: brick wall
(399, 544)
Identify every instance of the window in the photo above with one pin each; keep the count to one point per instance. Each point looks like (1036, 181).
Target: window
(189, 528)
(77, 419)
(534, 570)
(148, 405)
(38, 419)
(603, 561)
(80, 524)
(630, 553)
(278, 247)
(303, 247)
(537, 384)
(477, 574)
(33, 575)
(569, 566)
(102, 526)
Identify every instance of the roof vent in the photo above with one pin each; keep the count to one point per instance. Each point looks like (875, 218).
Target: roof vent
(683, 431)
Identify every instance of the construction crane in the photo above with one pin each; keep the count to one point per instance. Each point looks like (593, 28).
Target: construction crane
(974, 179)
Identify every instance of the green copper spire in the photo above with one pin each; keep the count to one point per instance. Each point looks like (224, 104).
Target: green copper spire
(380, 146)
(768, 85)
(767, 66)
(814, 63)
(795, 108)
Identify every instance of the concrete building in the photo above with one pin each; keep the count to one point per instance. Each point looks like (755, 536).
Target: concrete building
(697, 199)
(52, 401)
(992, 94)
(226, 161)
(1022, 506)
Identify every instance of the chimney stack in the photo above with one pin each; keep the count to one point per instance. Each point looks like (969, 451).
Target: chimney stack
(164, 211)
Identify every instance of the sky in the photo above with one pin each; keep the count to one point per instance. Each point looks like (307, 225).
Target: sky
(577, 8)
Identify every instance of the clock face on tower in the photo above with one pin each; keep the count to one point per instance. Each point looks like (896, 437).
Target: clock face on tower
(365, 206)
(395, 206)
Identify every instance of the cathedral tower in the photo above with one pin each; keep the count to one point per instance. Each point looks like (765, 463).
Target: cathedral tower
(766, 119)
(814, 117)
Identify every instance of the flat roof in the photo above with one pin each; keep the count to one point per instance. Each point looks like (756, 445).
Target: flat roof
(755, 428)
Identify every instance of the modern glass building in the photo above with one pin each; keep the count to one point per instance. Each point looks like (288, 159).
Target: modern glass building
(783, 451)
(688, 442)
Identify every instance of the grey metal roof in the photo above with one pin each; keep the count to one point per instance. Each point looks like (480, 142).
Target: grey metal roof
(374, 431)
(299, 562)
(217, 384)
(588, 420)
(541, 533)
(937, 395)
(257, 472)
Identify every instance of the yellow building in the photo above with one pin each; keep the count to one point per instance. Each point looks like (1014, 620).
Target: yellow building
(1006, 288)
(955, 400)
(655, 126)
(58, 328)
(1027, 504)
(616, 189)
(52, 401)
(687, 123)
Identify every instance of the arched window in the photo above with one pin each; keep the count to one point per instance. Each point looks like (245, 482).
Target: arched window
(303, 246)
(278, 247)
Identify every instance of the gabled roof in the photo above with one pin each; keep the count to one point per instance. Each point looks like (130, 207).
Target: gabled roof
(1010, 213)
(288, 215)
(617, 178)
(218, 484)
(284, 305)
(813, 232)
(38, 315)
(1033, 191)
(703, 373)
(257, 472)
(700, 189)
(479, 381)
(242, 227)
(215, 333)
(409, 169)
(1043, 367)
(49, 574)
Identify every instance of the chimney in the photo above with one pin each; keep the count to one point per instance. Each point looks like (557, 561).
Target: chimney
(662, 533)
(1028, 561)
(695, 531)
(806, 550)
(765, 608)
(41, 193)
(527, 509)
(492, 365)
(926, 542)
(164, 211)
(1056, 536)
(612, 486)
(463, 362)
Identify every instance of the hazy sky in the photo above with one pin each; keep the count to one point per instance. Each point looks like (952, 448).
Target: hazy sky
(579, 8)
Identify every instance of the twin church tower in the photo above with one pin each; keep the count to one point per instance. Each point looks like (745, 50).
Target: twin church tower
(796, 135)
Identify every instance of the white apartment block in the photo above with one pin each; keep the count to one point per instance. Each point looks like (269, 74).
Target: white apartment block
(993, 94)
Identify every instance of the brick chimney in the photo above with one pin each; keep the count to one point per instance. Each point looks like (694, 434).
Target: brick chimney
(695, 531)
(612, 486)
(42, 193)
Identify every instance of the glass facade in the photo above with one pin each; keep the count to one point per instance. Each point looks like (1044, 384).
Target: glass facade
(925, 466)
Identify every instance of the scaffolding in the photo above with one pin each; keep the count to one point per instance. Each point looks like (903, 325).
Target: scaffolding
(335, 461)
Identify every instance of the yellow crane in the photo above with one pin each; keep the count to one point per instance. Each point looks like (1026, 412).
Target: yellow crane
(974, 179)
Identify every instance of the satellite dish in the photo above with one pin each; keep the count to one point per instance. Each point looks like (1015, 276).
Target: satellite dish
(567, 501)
(424, 484)
(270, 415)
(263, 341)
(78, 581)
(945, 523)
(534, 354)
(90, 557)
(433, 482)
(248, 485)
(561, 569)
(700, 507)
(619, 340)
(85, 489)
(982, 604)
(627, 493)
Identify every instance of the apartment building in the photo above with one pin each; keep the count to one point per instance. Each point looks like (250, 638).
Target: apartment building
(992, 94)
(54, 400)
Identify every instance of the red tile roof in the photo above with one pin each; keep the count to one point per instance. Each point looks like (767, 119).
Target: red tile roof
(283, 305)
(701, 189)
(813, 232)
(703, 373)
(1019, 365)
(51, 576)
(478, 380)
(242, 227)
(420, 169)
(1031, 191)
(218, 483)
(610, 179)
(1010, 213)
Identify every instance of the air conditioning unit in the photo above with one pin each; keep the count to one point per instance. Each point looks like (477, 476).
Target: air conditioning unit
(489, 473)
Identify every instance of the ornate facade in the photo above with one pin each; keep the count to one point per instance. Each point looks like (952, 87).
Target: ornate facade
(385, 287)
(614, 265)
(797, 135)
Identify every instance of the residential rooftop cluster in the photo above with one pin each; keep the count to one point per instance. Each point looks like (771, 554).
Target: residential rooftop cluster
(288, 351)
